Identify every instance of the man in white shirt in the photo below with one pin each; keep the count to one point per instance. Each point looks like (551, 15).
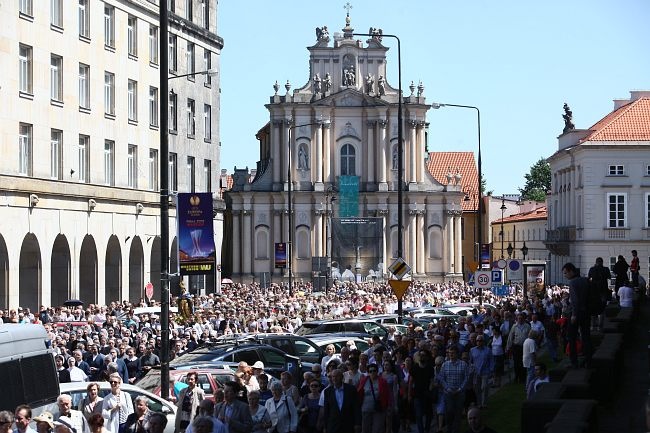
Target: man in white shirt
(529, 356)
(625, 295)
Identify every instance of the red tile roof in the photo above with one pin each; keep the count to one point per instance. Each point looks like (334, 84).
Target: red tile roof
(631, 122)
(441, 163)
(535, 214)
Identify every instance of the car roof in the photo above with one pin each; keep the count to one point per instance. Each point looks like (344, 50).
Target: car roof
(354, 320)
(134, 390)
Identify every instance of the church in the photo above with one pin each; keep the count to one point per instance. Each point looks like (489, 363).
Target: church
(323, 200)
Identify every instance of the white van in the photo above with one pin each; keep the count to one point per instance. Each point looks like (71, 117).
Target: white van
(27, 369)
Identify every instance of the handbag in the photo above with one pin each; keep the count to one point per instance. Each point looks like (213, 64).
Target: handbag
(378, 407)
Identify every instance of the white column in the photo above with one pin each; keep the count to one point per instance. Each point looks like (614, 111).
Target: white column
(384, 246)
(276, 149)
(288, 152)
(327, 153)
(383, 149)
(248, 252)
(318, 160)
(318, 233)
(236, 242)
(421, 238)
(450, 243)
(412, 246)
(412, 152)
(421, 152)
(458, 260)
(371, 165)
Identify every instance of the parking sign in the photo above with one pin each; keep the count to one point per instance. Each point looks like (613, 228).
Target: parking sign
(497, 277)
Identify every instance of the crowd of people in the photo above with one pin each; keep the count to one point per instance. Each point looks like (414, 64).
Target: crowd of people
(429, 376)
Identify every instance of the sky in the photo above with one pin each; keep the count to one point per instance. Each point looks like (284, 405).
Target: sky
(517, 61)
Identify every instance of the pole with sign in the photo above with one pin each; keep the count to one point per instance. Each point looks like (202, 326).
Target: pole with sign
(399, 269)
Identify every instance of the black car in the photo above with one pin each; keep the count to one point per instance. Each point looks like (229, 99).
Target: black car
(292, 344)
(231, 354)
(336, 326)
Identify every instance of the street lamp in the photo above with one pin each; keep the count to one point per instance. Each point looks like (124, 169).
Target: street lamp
(524, 250)
(210, 72)
(510, 249)
(480, 179)
(503, 209)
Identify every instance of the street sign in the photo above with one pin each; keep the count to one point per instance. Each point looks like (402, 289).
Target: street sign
(148, 290)
(497, 277)
(483, 279)
(515, 270)
(501, 264)
(399, 287)
(399, 268)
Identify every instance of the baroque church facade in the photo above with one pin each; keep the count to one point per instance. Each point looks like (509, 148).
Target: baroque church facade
(336, 140)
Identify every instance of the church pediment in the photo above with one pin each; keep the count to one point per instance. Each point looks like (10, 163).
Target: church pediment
(349, 98)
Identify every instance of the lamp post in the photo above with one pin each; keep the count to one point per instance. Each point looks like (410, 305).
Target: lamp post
(524, 250)
(503, 209)
(480, 179)
(509, 249)
(471, 196)
(329, 209)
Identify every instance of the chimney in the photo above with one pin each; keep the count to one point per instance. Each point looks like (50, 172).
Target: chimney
(634, 95)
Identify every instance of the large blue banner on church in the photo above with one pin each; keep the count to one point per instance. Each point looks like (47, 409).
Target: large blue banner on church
(348, 196)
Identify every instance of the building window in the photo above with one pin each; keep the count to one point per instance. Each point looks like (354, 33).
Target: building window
(153, 169)
(109, 162)
(207, 122)
(56, 13)
(173, 111)
(188, 9)
(109, 93)
(84, 86)
(109, 26)
(56, 146)
(190, 173)
(191, 60)
(132, 165)
(173, 172)
(207, 175)
(616, 212)
(25, 7)
(647, 210)
(616, 170)
(171, 5)
(153, 44)
(84, 18)
(348, 160)
(132, 38)
(173, 59)
(153, 106)
(207, 65)
(205, 13)
(56, 78)
(83, 159)
(133, 100)
(25, 135)
(25, 68)
(191, 114)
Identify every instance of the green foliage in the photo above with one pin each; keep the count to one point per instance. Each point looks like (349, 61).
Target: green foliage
(538, 181)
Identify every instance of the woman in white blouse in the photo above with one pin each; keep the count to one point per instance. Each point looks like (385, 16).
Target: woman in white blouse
(117, 406)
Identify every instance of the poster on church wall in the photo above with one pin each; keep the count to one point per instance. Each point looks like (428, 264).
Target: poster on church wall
(348, 196)
(196, 250)
(357, 249)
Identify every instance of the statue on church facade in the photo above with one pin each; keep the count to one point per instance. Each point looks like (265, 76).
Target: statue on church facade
(322, 34)
(317, 83)
(303, 160)
(327, 82)
(381, 85)
(377, 34)
(568, 119)
(370, 83)
(349, 76)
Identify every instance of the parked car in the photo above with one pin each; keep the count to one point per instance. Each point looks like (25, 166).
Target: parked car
(77, 390)
(323, 340)
(465, 308)
(210, 379)
(425, 319)
(365, 326)
(291, 344)
(231, 354)
(428, 309)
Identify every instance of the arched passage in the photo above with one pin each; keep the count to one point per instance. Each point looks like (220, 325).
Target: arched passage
(60, 275)
(88, 271)
(4, 274)
(113, 272)
(154, 267)
(29, 273)
(136, 271)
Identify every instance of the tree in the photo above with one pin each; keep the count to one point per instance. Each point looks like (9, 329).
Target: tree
(538, 181)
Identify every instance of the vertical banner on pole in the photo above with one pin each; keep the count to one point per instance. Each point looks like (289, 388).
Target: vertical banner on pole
(196, 249)
(280, 255)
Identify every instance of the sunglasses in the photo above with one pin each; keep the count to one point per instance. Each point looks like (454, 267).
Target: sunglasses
(113, 382)
(372, 371)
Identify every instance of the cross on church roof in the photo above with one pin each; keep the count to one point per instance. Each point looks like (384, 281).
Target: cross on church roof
(348, 6)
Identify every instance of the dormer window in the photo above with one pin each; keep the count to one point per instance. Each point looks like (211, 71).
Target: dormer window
(616, 170)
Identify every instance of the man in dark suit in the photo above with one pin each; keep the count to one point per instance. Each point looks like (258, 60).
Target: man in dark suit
(96, 362)
(341, 409)
(232, 412)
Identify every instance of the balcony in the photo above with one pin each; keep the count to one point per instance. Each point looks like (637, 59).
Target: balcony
(560, 235)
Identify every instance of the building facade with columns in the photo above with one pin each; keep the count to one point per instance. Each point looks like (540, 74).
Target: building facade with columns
(336, 140)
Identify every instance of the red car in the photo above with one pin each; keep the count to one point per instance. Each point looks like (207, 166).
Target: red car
(210, 380)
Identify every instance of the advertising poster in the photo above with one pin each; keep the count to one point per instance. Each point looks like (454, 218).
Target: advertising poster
(485, 255)
(357, 248)
(280, 255)
(535, 278)
(196, 250)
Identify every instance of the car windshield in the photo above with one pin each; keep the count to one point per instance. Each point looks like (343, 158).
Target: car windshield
(151, 381)
(307, 328)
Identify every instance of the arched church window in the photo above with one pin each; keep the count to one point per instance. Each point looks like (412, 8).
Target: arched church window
(262, 243)
(302, 243)
(348, 160)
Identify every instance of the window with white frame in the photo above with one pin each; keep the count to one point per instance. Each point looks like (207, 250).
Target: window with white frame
(171, 5)
(191, 60)
(188, 9)
(205, 14)
(133, 100)
(616, 170)
(132, 166)
(109, 93)
(26, 7)
(191, 173)
(207, 65)
(83, 158)
(207, 121)
(153, 44)
(173, 58)
(207, 175)
(173, 172)
(191, 115)
(132, 35)
(25, 138)
(153, 169)
(647, 210)
(56, 13)
(616, 210)
(84, 86)
(109, 26)
(56, 78)
(56, 154)
(173, 111)
(109, 162)
(348, 160)
(153, 106)
(84, 18)
(25, 53)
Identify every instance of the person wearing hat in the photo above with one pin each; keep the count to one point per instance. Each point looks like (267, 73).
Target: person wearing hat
(44, 422)
(258, 370)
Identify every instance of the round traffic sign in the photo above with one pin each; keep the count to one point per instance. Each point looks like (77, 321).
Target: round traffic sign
(501, 264)
(148, 290)
(483, 280)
